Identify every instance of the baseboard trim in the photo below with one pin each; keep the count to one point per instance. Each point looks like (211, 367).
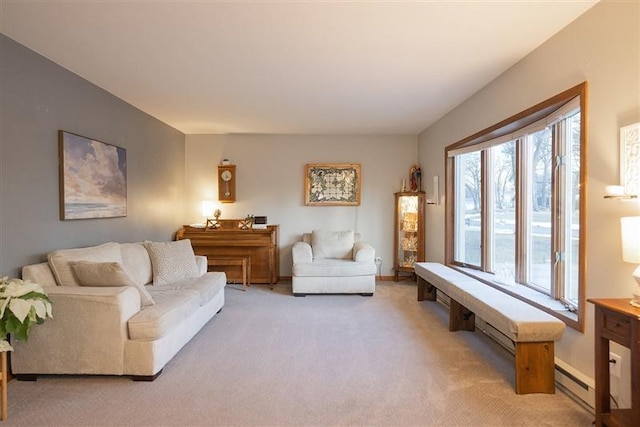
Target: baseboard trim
(573, 383)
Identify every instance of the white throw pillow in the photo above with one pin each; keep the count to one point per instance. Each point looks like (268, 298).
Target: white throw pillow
(136, 262)
(60, 260)
(108, 274)
(332, 244)
(172, 261)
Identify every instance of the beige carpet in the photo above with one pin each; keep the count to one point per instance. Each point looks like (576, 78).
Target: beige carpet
(270, 359)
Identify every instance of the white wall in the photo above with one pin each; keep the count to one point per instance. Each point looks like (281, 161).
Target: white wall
(270, 181)
(603, 48)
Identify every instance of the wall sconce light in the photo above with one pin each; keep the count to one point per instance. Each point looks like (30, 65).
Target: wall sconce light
(618, 192)
(435, 195)
(630, 227)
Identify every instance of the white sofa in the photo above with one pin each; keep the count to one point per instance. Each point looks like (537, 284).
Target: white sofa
(328, 262)
(118, 309)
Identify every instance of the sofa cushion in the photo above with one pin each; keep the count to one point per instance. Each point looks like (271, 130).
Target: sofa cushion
(60, 260)
(105, 274)
(333, 268)
(168, 313)
(332, 244)
(207, 285)
(136, 262)
(172, 261)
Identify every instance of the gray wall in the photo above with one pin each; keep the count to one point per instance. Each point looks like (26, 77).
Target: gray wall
(38, 98)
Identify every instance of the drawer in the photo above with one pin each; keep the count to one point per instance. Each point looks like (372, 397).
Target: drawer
(616, 328)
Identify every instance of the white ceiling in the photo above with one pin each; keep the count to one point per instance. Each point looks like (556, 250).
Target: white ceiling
(321, 67)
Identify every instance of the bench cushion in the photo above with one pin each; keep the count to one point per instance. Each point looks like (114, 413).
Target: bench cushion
(520, 321)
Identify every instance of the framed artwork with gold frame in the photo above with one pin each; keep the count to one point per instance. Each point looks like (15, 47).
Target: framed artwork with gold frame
(332, 184)
(630, 159)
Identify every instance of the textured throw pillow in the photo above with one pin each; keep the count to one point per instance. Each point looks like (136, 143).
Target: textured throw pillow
(60, 260)
(332, 244)
(172, 261)
(107, 274)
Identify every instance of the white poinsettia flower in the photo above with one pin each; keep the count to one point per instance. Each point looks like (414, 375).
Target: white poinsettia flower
(43, 308)
(47, 305)
(17, 297)
(3, 306)
(16, 288)
(20, 308)
(5, 346)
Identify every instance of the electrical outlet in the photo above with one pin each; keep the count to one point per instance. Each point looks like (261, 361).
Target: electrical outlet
(614, 364)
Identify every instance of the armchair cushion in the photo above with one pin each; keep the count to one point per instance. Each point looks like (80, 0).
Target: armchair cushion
(334, 268)
(332, 244)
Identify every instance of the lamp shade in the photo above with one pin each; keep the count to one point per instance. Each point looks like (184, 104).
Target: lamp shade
(630, 227)
(207, 208)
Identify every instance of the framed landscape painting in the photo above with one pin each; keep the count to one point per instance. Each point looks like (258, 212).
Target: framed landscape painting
(332, 184)
(93, 178)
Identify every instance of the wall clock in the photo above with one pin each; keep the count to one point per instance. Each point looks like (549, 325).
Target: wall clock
(227, 183)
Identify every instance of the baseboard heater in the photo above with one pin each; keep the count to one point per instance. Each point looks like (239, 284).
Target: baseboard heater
(508, 345)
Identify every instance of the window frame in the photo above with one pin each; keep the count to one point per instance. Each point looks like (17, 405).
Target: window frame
(487, 138)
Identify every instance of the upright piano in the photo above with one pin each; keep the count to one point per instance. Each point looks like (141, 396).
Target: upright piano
(229, 240)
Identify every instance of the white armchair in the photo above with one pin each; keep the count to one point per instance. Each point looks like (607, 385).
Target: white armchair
(333, 262)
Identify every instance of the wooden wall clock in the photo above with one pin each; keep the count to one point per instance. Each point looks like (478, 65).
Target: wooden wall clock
(227, 183)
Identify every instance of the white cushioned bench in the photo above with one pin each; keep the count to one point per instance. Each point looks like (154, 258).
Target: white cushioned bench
(532, 330)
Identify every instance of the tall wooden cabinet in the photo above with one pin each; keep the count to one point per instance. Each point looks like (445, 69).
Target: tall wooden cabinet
(409, 231)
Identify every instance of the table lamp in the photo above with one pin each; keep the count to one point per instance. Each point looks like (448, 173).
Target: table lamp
(630, 227)
(207, 208)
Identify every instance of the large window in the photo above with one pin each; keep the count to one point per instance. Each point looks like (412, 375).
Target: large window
(515, 205)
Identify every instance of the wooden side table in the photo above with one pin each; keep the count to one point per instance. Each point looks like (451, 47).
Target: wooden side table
(3, 384)
(618, 321)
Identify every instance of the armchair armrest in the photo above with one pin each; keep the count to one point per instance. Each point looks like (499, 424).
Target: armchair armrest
(363, 252)
(302, 253)
(85, 336)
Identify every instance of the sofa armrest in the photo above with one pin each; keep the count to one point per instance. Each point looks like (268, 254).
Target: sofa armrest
(40, 274)
(201, 263)
(302, 253)
(85, 336)
(363, 252)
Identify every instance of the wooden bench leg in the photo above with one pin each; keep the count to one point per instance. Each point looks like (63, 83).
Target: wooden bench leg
(426, 291)
(460, 318)
(244, 274)
(535, 367)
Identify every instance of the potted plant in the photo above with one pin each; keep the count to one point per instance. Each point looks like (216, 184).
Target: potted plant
(22, 304)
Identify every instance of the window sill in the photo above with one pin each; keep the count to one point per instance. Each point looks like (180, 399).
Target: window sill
(528, 295)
